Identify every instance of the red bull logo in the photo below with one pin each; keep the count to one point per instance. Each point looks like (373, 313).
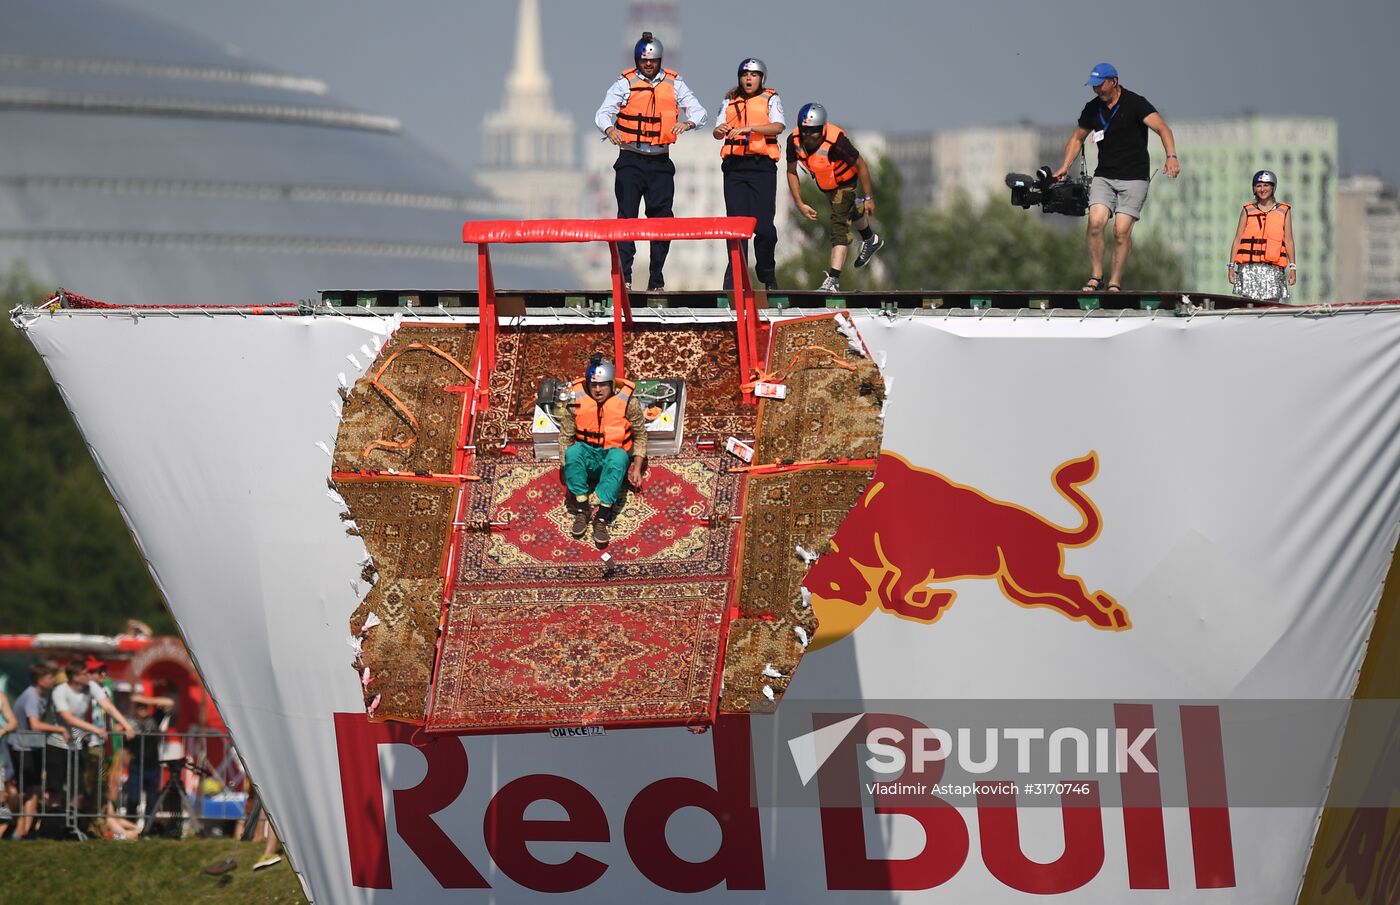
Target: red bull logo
(915, 529)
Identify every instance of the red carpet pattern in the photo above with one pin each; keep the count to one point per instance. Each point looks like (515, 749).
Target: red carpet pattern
(562, 655)
(541, 629)
(408, 423)
(661, 532)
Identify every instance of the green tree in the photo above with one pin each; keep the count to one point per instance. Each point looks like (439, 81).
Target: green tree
(805, 266)
(998, 246)
(68, 561)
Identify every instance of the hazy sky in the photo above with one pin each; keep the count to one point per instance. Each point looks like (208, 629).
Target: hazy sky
(901, 65)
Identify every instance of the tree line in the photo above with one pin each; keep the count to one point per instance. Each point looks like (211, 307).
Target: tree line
(67, 560)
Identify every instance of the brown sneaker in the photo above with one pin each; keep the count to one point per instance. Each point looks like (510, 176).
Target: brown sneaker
(601, 536)
(579, 527)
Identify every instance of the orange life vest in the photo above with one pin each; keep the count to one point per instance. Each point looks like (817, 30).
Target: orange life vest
(603, 425)
(750, 111)
(1264, 231)
(828, 174)
(651, 111)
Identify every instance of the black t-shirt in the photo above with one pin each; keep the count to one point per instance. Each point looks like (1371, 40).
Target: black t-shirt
(1123, 150)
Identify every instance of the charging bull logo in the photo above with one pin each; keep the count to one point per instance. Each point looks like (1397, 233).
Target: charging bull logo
(915, 529)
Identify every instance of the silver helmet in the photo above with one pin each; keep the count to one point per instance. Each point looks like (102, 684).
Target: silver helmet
(811, 117)
(599, 370)
(754, 64)
(1268, 176)
(648, 48)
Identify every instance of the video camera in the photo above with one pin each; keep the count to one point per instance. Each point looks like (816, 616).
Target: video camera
(1070, 198)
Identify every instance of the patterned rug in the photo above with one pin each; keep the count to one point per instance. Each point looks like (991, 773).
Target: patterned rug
(410, 421)
(753, 646)
(658, 532)
(831, 411)
(568, 655)
(783, 511)
(405, 525)
(706, 357)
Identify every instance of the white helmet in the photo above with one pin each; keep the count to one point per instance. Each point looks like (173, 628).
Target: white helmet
(599, 370)
(754, 64)
(811, 117)
(1268, 176)
(648, 48)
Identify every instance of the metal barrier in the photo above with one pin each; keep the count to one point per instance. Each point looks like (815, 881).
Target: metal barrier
(152, 784)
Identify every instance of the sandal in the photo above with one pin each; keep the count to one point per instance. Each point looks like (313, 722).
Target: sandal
(1093, 284)
(1114, 287)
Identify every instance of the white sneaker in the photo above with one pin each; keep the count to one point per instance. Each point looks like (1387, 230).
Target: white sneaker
(868, 250)
(830, 284)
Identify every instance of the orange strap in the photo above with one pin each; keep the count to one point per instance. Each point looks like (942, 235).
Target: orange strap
(779, 467)
(803, 356)
(398, 405)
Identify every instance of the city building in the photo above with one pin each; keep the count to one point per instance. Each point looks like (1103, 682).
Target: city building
(1368, 239)
(143, 165)
(935, 166)
(1198, 214)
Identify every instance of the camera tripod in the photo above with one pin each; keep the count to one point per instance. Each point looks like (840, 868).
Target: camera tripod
(172, 805)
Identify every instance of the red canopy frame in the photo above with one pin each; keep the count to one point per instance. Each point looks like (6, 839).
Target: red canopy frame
(733, 230)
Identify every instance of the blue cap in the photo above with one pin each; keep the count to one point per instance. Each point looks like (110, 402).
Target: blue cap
(1101, 73)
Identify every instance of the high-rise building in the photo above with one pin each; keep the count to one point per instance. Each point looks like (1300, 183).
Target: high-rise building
(1198, 214)
(1368, 239)
(528, 146)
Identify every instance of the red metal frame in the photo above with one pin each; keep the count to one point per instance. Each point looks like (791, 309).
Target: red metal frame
(733, 230)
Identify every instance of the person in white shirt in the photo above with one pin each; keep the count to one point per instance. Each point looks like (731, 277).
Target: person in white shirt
(749, 122)
(71, 705)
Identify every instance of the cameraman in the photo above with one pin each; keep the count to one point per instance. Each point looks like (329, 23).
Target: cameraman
(1117, 121)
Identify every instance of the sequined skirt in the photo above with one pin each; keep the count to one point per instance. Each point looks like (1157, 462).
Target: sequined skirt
(1262, 282)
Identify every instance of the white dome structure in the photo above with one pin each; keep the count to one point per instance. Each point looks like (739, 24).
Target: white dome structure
(142, 165)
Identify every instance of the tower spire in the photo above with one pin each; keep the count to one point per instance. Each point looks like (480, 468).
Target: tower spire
(528, 83)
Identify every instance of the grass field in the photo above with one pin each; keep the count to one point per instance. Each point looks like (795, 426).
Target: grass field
(40, 872)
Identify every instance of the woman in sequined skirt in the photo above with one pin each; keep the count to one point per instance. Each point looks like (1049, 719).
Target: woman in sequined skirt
(1263, 265)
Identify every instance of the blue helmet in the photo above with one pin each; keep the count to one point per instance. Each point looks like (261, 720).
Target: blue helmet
(811, 118)
(648, 48)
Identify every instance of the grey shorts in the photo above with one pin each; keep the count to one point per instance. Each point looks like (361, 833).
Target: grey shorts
(1120, 196)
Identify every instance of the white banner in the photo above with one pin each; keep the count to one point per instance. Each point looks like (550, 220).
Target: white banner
(1176, 510)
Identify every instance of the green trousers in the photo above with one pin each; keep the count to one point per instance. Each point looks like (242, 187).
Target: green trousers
(597, 470)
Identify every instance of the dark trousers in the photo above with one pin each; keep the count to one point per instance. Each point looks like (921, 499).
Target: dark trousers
(652, 177)
(142, 779)
(751, 190)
